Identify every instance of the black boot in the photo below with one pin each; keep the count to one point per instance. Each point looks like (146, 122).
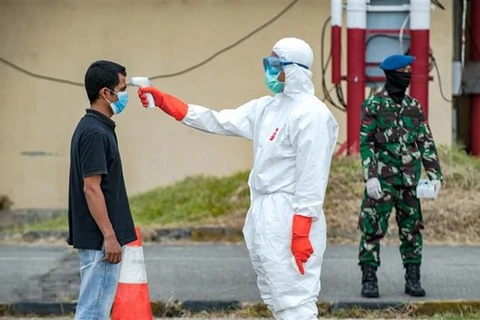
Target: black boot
(412, 281)
(369, 282)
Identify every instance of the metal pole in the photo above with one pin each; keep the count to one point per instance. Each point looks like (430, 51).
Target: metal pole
(420, 35)
(336, 38)
(475, 98)
(356, 24)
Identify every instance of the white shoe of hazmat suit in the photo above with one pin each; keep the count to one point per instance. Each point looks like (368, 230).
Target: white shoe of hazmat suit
(294, 135)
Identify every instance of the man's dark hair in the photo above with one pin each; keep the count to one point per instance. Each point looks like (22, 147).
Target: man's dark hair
(102, 74)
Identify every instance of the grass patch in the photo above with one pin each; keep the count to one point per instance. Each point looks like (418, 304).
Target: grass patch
(223, 201)
(192, 200)
(58, 223)
(451, 219)
(259, 310)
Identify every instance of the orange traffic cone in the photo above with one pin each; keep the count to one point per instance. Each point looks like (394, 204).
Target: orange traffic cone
(132, 300)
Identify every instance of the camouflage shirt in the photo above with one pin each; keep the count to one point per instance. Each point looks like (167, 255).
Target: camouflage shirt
(395, 140)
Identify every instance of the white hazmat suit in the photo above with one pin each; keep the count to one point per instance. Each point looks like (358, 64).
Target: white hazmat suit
(294, 135)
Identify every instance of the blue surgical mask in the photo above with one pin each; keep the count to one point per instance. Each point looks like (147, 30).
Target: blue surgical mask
(272, 82)
(119, 105)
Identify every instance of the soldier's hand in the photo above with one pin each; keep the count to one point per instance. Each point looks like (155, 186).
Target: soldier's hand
(374, 189)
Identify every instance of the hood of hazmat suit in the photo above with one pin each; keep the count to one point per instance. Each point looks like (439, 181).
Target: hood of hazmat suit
(297, 78)
(294, 135)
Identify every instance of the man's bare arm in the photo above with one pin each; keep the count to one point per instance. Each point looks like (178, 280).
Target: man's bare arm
(98, 209)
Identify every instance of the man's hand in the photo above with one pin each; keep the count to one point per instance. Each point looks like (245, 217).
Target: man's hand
(169, 104)
(113, 250)
(374, 189)
(301, 246)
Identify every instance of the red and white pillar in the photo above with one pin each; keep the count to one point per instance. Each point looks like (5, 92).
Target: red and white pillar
(475, 98)
(356, 25)
(336, 37)
(420, 48)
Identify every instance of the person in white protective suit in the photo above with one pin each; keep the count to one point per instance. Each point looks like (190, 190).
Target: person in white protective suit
(294, 135)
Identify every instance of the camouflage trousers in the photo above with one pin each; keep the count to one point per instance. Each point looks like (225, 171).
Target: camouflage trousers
(373, 223)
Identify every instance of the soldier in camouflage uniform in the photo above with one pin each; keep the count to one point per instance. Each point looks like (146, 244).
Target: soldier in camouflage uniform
(395, 141)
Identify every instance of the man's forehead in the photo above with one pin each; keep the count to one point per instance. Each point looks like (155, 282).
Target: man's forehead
(122, 81)
(121, 77)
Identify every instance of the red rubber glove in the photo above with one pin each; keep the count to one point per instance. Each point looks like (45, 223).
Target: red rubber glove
(169, 104)
(301, 246)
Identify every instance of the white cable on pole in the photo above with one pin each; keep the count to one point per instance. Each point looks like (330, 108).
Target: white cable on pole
(402, 29)
(464, 22)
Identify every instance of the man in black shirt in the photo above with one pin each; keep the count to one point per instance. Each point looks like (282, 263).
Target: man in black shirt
(99, 217)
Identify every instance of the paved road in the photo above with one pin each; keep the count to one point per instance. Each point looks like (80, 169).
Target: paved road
(223, 272)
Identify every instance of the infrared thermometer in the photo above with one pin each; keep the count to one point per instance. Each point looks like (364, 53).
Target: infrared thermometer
(144, 82)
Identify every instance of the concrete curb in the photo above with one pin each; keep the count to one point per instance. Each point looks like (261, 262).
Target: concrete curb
(37, 309)
(21, 217)
(162, 309)
(197, 234)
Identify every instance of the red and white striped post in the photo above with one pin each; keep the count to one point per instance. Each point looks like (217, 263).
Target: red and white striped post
(336, 37)
(356, 25)
(420, 49)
